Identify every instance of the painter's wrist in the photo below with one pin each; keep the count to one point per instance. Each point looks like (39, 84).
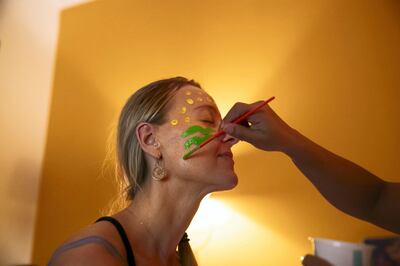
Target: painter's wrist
(293, 142)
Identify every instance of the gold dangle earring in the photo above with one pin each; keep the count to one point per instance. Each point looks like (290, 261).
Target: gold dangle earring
(159, 171)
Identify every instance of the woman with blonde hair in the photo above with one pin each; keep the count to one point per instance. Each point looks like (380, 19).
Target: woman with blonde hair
(158, 125)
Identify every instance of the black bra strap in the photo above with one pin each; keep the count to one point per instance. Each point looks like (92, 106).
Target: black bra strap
(125, 240)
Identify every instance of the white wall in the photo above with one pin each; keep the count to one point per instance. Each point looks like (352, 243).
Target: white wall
(28, 34)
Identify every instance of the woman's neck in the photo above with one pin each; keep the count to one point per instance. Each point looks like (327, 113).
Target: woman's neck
(159, 215)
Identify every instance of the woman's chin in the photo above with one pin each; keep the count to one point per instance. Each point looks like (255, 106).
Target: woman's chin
(228, 182)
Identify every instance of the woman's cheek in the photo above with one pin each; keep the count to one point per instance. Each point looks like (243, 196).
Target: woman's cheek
(181, 140)
(174, 146)
(194, 136)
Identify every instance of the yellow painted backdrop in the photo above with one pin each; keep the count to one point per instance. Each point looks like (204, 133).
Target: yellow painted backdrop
(333, 66)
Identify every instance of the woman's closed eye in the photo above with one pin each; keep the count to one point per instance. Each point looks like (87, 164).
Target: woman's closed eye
(212, 123)
(208, 122)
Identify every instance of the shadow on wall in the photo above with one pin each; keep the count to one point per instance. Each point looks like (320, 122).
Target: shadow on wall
(2, 7)
(72, 190)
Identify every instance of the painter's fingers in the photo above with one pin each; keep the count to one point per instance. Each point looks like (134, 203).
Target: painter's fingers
(254, 129)
(240, 132)
(238, 109)
(310, 260)
(264, 129)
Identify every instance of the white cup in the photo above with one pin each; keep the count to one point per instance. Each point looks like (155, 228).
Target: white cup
(340, 253)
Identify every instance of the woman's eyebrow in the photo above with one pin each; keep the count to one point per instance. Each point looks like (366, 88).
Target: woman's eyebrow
(213, 109)
(205, 106)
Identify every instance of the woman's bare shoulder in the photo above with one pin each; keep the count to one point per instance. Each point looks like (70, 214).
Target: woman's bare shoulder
(93, 245)
(99, 229)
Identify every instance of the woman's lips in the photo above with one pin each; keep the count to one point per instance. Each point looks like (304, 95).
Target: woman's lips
(227, 157)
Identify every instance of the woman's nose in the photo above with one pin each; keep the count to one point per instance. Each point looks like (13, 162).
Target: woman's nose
(229, 139)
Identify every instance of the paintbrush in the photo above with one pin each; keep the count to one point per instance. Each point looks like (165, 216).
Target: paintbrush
(237, 120)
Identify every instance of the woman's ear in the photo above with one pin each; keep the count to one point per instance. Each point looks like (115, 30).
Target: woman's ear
(145, 133)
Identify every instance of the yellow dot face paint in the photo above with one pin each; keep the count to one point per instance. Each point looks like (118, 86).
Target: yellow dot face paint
(186, 112)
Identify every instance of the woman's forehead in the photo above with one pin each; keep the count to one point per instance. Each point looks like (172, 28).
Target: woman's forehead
(188, 101)
(190, 98)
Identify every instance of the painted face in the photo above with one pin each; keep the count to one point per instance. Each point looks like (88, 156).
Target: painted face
(193, 117)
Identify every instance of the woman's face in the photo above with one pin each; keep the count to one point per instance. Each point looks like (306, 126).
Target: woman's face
(192, 118)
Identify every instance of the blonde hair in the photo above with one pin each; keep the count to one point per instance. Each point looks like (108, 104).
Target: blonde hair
(148, 104)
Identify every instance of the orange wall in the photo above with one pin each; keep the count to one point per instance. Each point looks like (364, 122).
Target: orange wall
(333, 66)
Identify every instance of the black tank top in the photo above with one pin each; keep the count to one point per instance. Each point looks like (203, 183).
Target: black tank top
(122, 234)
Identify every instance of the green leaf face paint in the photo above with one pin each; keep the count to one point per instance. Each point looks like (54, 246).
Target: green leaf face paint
(196, 140)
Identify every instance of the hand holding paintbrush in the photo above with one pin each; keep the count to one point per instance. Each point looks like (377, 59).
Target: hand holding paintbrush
(237, 120)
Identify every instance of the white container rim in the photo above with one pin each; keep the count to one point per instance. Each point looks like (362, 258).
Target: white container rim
(339, 243)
